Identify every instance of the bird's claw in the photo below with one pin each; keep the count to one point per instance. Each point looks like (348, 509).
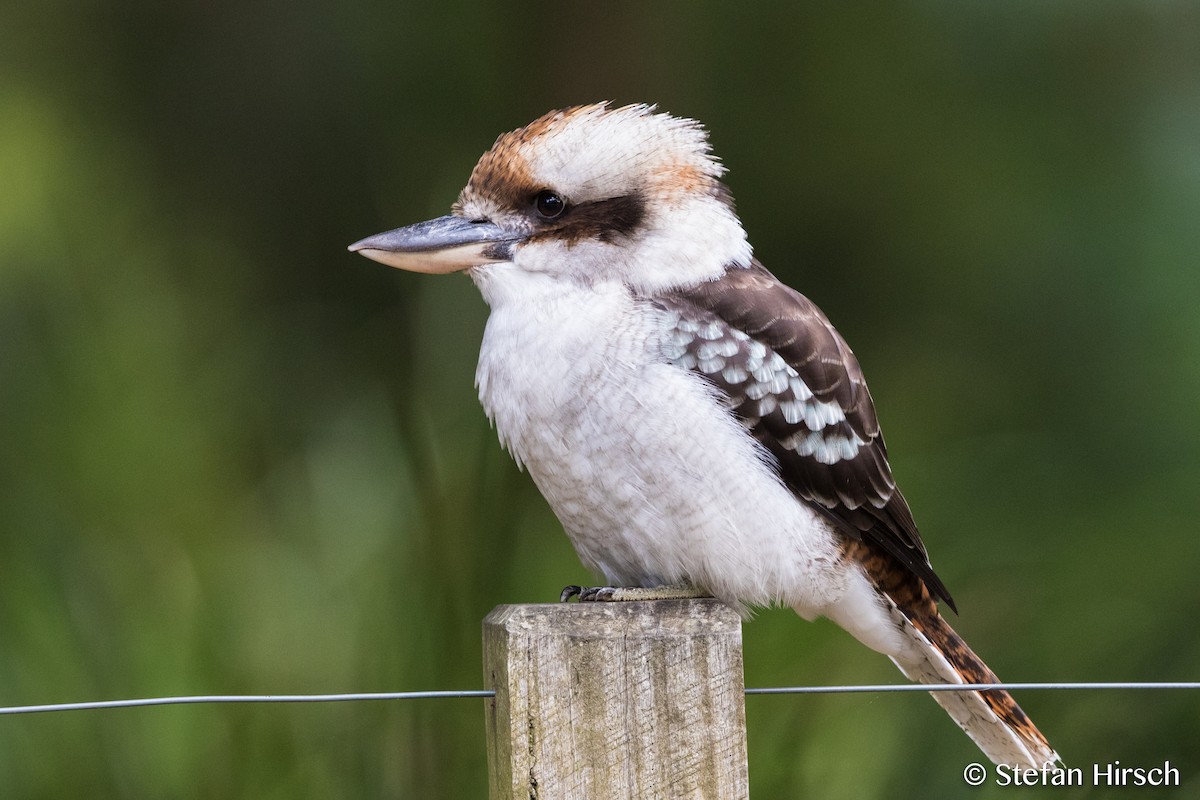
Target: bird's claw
(589, 594)
(617, 594)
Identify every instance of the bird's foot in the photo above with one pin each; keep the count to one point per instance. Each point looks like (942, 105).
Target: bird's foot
(622, 594)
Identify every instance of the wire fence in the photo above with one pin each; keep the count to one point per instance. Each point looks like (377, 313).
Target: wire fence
(486, 693)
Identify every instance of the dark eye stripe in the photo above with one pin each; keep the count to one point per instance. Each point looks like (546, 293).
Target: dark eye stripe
(609, 220)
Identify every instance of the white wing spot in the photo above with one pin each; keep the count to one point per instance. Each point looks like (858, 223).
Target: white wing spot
(825, 451)
(709, 350)
(734, 374)
(799, 387)
(818, 415)
(757, 390)
(681, 338)
(727, 347)
(793, 411)
(776, 382)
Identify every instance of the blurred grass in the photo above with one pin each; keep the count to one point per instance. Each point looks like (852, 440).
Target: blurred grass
(233, 458)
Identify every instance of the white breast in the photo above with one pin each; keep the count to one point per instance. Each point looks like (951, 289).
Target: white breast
(651, 476)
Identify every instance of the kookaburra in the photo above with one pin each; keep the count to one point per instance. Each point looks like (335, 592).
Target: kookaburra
(691, 420)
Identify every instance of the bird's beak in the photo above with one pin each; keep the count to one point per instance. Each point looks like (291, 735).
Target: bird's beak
(446, 244)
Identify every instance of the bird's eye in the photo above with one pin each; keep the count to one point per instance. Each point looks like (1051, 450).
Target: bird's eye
(549, 204)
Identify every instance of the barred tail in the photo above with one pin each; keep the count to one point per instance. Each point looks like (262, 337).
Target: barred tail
(991, 718)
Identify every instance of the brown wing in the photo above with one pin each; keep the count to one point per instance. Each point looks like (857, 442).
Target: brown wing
(794, 384)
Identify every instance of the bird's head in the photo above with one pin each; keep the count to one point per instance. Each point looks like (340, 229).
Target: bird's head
(587, 194)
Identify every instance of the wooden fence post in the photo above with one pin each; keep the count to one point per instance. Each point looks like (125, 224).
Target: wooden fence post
(615, 700)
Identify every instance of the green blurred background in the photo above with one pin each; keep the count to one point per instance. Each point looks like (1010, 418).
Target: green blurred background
(235, 458)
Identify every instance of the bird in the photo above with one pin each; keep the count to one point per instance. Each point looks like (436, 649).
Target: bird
(697, 426)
